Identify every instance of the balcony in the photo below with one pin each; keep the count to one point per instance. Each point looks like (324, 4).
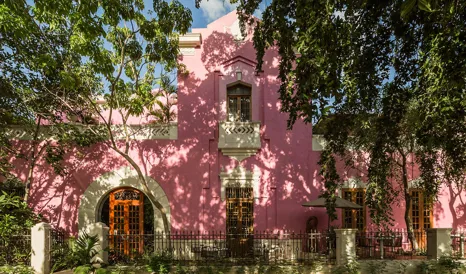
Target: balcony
(239, 140)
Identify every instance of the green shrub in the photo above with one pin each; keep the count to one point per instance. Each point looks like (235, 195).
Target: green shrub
(19, 269)
(102, 271)
(16, 218)
(82, 269)
(374, 267)
(444, 264)
(81, 252)
(352, 267)
(160, 263)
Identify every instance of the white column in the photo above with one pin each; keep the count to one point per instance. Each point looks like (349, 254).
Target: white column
(346, 245)
(40, 247)
(438, 242)
(101, 230)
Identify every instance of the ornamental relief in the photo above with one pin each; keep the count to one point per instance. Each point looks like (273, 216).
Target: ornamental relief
(136, 132)
(127, 195)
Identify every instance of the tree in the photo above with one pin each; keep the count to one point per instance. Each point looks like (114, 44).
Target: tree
(390, 73)
(41, 82)
(92, 49)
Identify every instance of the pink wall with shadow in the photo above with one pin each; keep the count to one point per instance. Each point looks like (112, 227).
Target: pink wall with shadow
(188, 168)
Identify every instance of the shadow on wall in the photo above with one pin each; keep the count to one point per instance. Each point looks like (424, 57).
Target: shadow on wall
(457, 206)
(188, 168)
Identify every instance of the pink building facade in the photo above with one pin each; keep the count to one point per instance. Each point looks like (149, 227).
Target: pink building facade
(229, 137)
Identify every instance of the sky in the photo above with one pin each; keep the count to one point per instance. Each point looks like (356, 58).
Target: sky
(210, 10)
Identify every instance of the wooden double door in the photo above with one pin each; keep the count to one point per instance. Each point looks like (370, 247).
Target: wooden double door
(421, 215)
(126, 221)
(240, 221)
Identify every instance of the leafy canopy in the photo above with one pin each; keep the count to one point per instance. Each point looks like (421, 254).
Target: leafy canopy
(58, 58)
(391, 74)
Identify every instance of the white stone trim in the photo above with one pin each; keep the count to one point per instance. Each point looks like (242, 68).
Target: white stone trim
(40, 248)
(318, 143)
(190, 40)
(92, 198)
(345, 245)
(351, 183)
(137, 132)
(239, 177)
(188, 51)
(239, 140)
(413, 184)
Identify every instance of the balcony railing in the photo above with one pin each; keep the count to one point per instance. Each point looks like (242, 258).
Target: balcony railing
(239, 139)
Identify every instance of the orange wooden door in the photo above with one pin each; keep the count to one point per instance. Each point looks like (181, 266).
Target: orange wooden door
(126, 221)
(421, 216)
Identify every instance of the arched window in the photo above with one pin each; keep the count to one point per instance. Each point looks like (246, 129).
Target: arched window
(239, 103)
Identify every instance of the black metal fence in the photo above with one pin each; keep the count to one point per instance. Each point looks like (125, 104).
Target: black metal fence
(458, 243)
(219, 247)
(59, 246)
(16, 249)
(393, 244)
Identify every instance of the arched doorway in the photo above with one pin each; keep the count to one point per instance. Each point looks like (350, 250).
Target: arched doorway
(129, 214)
(93, 198)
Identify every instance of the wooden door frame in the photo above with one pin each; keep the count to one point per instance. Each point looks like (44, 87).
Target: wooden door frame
(421, 208)
(126, 211)
(353, 211)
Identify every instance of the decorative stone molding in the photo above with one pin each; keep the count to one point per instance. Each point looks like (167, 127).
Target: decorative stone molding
(190, 40)
(239, 177)
(148, 132)
(352, 182)
(318, 142)
(415, 183)
(137, 132)
(92, 199)
(239, 140)
(187, 51)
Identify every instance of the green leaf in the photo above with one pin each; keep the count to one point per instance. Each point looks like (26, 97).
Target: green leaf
(407, 7)
(425, 5)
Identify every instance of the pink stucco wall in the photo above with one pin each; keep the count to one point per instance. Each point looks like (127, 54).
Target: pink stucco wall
(188, 168)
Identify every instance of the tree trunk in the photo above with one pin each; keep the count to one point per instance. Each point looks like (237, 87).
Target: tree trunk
(32, 164)
(28, 182)
(146, 189)
(408, 202)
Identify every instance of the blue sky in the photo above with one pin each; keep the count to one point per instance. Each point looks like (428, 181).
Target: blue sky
(209, 11)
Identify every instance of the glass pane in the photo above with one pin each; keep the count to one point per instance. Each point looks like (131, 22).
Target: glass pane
(347, 213)
(232, 109)
(239, 210)
(245, 108)
(359, 212)
(415, 209)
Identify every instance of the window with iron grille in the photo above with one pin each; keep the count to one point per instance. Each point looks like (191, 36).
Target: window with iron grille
(239, 103)
(354, 218)
(240, 210)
